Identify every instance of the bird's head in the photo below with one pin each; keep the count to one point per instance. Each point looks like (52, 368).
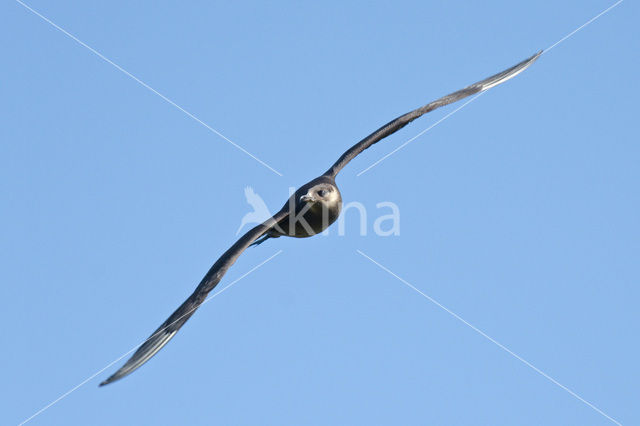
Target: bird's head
(322, 194)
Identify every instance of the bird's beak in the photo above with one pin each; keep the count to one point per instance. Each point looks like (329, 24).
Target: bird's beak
(306, 198)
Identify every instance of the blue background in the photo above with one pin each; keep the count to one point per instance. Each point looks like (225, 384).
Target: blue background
(519, 213)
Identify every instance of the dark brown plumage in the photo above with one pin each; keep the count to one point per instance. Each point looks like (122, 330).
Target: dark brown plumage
(310, 210)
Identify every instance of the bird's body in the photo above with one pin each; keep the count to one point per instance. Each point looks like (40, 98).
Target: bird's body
(312, 209)
(309, 211)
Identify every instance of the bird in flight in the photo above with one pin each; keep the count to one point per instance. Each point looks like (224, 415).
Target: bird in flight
(309, 211)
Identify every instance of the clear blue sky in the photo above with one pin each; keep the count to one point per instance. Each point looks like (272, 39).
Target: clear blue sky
(520, 213)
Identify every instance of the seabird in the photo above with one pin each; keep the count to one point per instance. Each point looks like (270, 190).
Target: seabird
(309, 211)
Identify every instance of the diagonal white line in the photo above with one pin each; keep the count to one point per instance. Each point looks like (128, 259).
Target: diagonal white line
(475, 97)
(145, 85)
(582, 26)
(491, 339)
(79, 385)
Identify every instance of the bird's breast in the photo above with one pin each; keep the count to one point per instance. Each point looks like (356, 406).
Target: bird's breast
(309, 220)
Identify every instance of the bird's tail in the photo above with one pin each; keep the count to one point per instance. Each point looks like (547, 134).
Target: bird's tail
(261, 240)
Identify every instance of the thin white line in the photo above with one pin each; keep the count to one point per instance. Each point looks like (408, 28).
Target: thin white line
(582, 26)
(472, 99)
(73, 389)
(500, 345)
(104, 58)
(424, 131)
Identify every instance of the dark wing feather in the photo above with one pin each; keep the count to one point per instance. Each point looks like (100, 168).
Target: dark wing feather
(170, 327)
(397, 124)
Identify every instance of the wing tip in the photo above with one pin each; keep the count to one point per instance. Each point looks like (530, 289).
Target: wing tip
(113, 378)
(106, 382)
(508, 74)
(532, 58)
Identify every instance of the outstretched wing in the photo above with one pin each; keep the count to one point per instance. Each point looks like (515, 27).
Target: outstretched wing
(397, 124)
(170, 327)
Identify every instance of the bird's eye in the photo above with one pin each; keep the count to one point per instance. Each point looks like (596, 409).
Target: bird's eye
(322, 193)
